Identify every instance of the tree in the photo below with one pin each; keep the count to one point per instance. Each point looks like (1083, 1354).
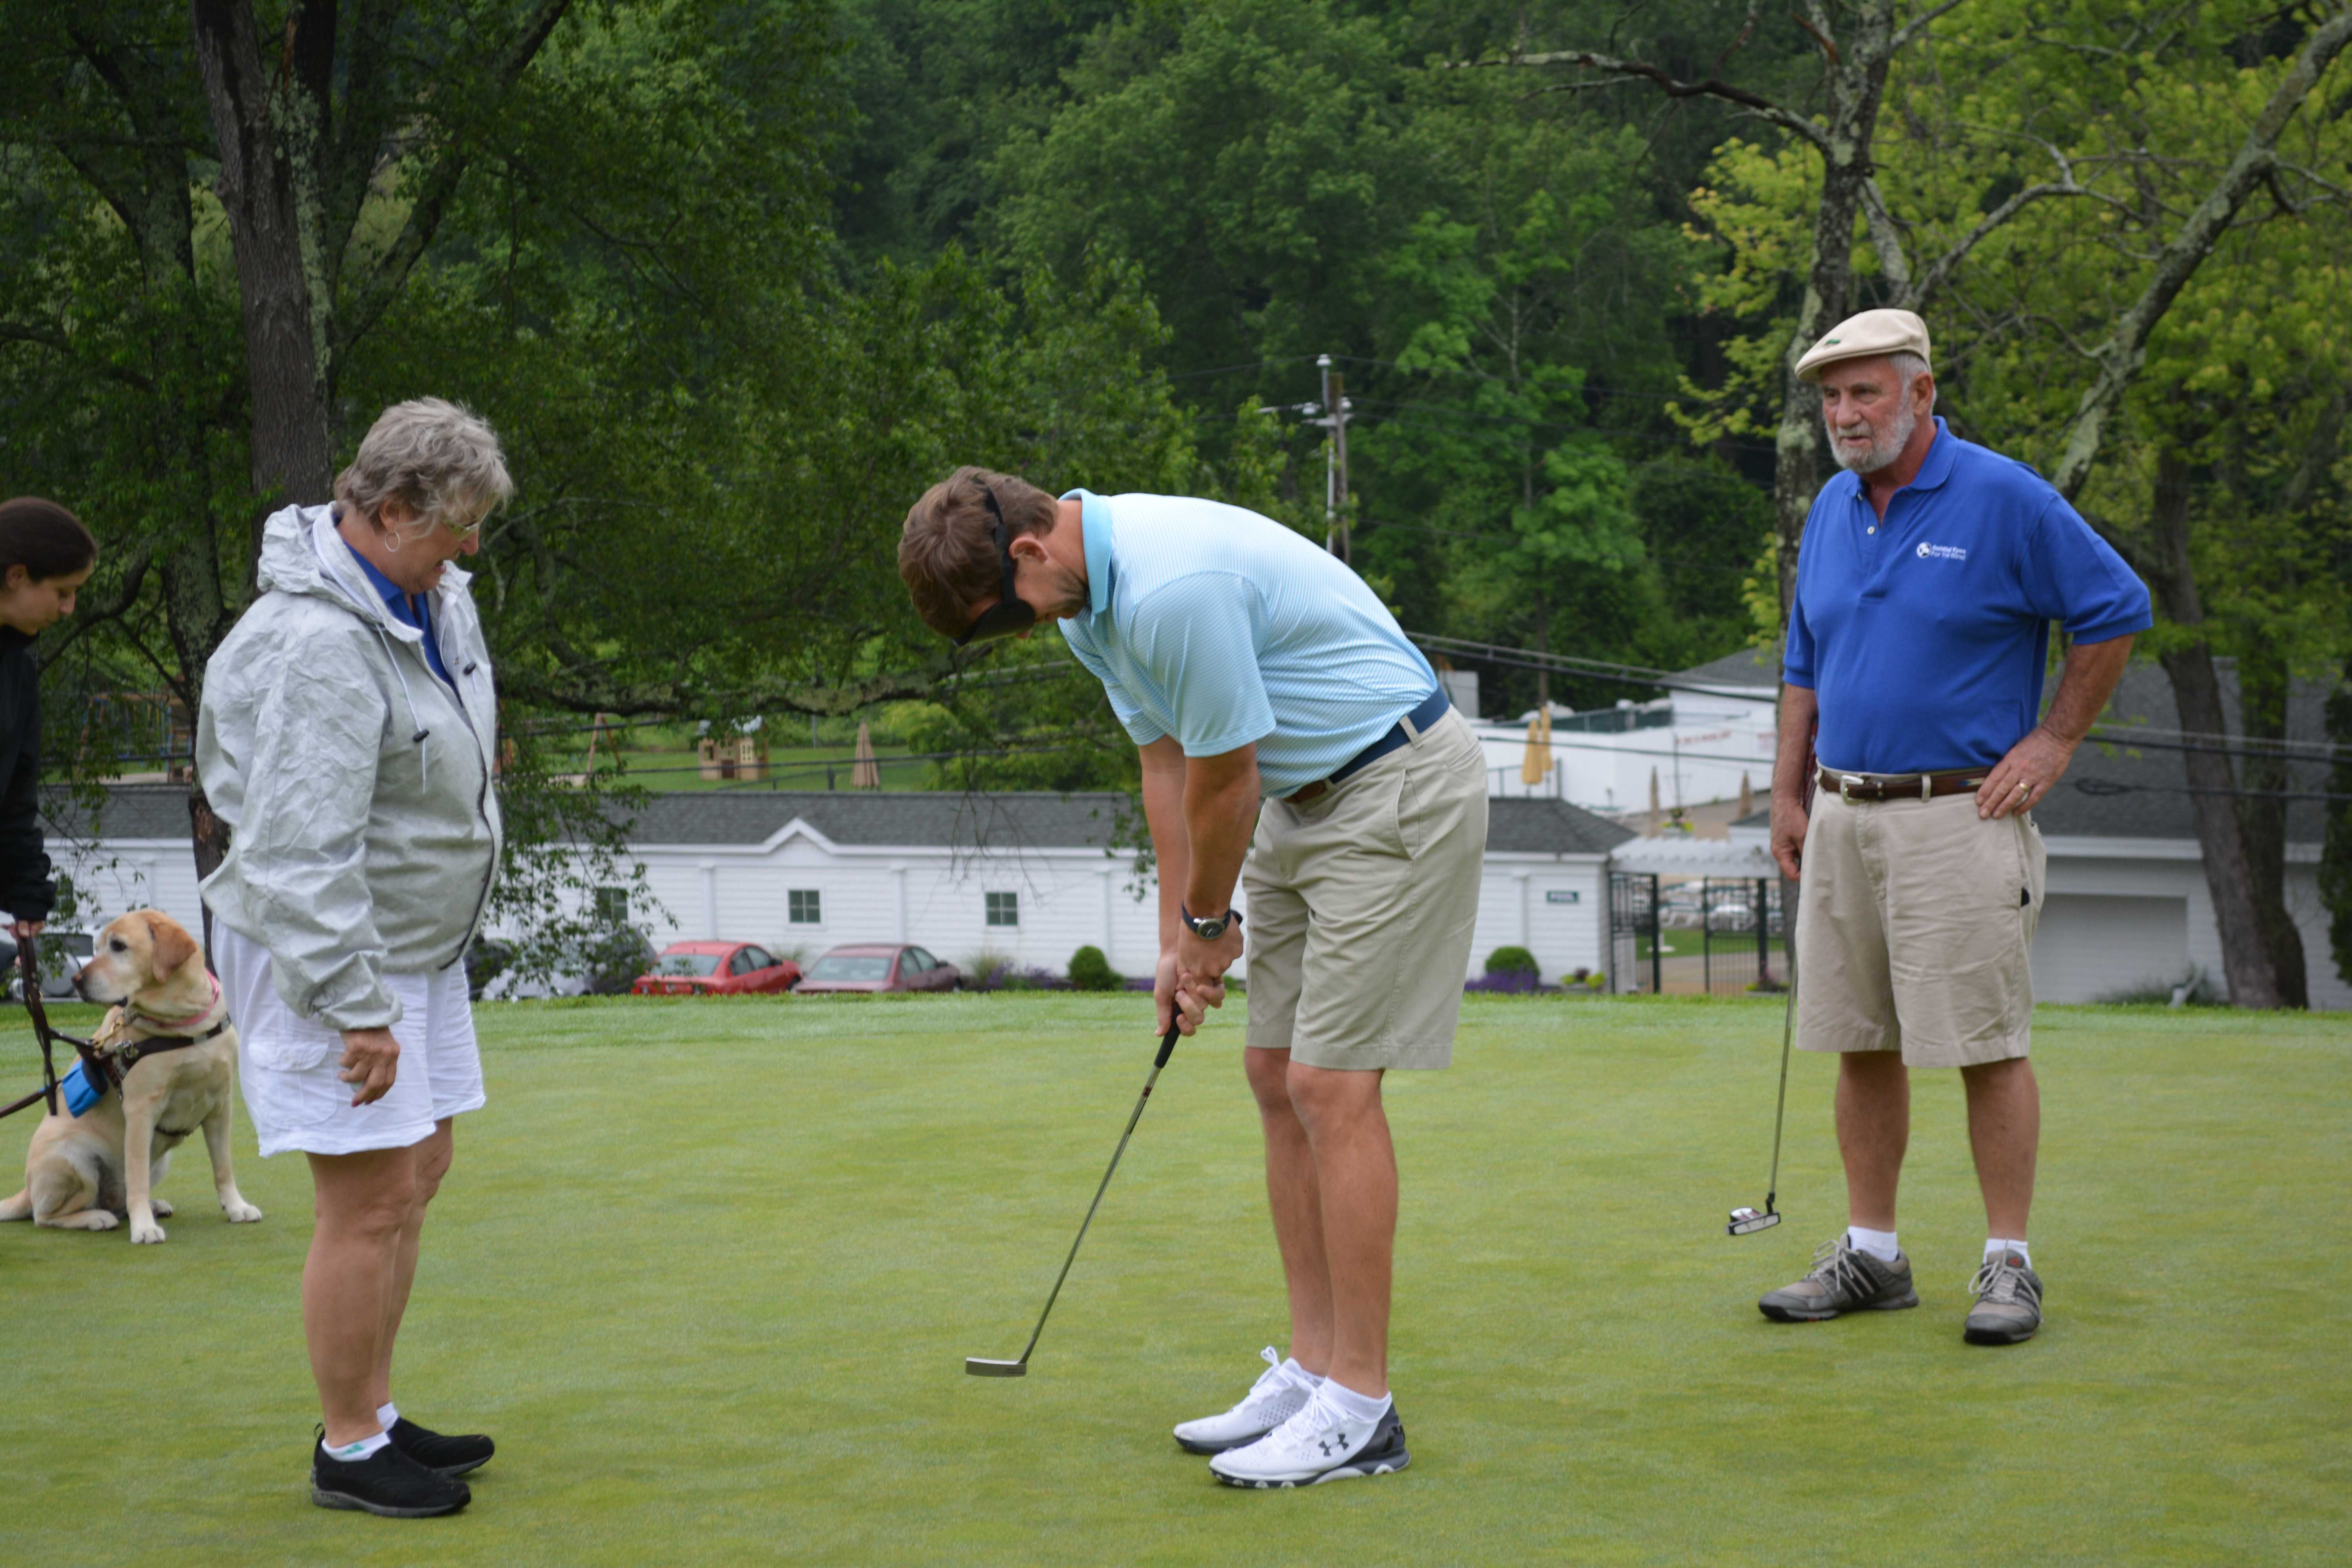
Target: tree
(2091, 279)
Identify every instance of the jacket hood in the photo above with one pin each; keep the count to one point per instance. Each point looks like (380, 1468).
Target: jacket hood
(302, 553)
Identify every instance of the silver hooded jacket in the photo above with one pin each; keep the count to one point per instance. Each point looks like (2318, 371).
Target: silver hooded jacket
(364, 826)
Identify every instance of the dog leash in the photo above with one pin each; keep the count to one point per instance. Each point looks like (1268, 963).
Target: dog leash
(102, 1068)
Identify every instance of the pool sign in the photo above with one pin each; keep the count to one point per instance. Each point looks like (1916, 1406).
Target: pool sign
(1563, 896)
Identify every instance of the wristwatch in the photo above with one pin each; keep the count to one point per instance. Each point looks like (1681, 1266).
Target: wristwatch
(1211, 927)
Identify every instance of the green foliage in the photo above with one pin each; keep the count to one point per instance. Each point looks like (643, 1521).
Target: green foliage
(1090, 970)
(1510, 960)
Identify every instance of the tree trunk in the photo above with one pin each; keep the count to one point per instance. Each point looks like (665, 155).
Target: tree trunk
(285, 357)
(2263, 690)
(2246, 963)
(1857, 82)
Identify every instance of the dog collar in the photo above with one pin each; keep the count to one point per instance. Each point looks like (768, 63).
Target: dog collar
(192, 1019)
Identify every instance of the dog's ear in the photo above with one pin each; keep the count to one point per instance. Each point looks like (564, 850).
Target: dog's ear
(173, 946)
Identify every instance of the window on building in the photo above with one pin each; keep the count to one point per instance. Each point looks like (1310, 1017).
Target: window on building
(805, 906)
(613, 906)
(1003, 909)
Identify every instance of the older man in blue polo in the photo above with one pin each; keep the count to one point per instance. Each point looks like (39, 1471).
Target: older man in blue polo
(1930, 572)
(1291, 739)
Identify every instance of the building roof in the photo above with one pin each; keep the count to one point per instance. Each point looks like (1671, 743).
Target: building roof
(1748, 668)
(1008, 821)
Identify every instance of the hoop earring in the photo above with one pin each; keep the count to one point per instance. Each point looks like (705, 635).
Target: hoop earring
(391, 542)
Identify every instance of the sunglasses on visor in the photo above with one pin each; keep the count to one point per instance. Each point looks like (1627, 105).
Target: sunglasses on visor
(1009, 614)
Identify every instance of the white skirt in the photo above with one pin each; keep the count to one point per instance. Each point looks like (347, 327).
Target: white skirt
(291, 1066)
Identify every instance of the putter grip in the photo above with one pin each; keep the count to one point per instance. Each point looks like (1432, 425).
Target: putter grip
(1167, 1045)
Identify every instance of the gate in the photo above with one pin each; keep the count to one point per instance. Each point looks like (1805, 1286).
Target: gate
(1635, 965)
(1739, 922)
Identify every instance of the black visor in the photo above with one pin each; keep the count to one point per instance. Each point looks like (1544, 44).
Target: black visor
(1009, 615)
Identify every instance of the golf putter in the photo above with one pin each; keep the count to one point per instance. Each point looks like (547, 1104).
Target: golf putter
(981, 1366)
(1747, 1221)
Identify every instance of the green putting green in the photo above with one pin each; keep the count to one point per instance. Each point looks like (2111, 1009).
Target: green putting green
(708, 1271)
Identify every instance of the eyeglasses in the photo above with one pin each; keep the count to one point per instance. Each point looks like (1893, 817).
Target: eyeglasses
(1009, 615)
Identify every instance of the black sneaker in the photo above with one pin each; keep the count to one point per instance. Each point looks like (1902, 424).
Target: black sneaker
(387, 1482)
(444, 1456)
(1842, 1279)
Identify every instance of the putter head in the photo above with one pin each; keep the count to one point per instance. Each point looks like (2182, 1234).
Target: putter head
(1747, 1221)
(981, 1366)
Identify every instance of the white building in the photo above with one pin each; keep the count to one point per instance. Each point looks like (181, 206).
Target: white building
(1700, 740)
(1026, 877)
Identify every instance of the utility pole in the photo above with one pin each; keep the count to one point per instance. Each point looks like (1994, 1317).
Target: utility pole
(1335, 459)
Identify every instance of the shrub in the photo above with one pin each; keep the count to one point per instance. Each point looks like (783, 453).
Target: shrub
(1512, 961)
(1506, 981)
(1090, 970)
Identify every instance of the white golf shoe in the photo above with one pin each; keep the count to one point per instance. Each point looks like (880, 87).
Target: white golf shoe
(1320, 1443)
(1276, 1397)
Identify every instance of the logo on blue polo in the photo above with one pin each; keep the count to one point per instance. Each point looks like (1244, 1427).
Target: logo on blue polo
(1942, 552)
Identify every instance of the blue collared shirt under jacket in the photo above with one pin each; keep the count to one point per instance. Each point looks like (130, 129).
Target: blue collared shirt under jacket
(1220, 628)
(409, 609)
(1924, 635)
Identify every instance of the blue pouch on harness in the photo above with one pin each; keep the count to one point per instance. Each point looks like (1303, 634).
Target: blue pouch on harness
(81, 1094)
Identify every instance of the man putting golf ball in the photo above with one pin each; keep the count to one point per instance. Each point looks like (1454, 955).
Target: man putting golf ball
(1293, 741)
(1931, 570)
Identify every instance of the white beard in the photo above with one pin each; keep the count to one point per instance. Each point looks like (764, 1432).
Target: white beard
(1883, 451)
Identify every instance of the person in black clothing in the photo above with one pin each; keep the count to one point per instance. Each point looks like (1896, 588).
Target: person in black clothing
(46, 555)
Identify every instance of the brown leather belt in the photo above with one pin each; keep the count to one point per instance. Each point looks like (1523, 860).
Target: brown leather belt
(1851, 787)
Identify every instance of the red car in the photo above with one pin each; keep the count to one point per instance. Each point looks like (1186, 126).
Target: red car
(715, 969)
(880, 966)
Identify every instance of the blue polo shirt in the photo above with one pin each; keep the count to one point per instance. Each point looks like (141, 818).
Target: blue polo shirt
(1924, 635)
(409, 609)
(1222, 627)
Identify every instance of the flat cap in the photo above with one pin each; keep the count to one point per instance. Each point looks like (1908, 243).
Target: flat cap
(1871, 333)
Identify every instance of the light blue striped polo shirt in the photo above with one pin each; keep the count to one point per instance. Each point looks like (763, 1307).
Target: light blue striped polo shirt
(1220, 627)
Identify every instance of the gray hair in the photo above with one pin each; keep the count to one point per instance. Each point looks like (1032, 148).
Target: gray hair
(439, 459)
(1910, 367)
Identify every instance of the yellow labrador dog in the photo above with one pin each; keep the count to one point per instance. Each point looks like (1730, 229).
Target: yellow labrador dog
(87, 1171)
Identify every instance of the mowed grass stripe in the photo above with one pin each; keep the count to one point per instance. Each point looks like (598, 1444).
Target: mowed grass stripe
(709, 1270)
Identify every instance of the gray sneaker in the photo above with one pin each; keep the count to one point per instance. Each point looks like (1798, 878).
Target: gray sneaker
(1842, 1281)
(2009, 1303)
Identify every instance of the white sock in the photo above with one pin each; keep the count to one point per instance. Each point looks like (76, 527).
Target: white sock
(1995, 1244)
(1305, 1379)
(359, 1450)
(386, 1413)
(1879, 1244)
(1355, 1407)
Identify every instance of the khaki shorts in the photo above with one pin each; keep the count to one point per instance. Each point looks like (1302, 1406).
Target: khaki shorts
(1361, 905)
(1914, 919)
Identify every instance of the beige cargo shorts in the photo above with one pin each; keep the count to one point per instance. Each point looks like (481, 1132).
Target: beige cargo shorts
(1915, 924)
(1362, 904)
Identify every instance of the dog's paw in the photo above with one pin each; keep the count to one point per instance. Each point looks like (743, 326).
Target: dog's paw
(163, 1210)
(146, 1233)
(240, 1214)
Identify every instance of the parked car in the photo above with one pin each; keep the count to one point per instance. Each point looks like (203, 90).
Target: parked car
(62, 951)
(880, 966)
(715, 969)
(607, 964)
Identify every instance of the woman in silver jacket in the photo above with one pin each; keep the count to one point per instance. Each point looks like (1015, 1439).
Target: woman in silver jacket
(347, 738)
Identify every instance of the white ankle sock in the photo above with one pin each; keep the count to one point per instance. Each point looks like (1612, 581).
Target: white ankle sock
(1879, 1244)
(1995, 1244)
(387, 1413)
(350, 1451)
(1355, 1407)
(1308, 1381)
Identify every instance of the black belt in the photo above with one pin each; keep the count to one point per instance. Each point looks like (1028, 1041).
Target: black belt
(1429, 711)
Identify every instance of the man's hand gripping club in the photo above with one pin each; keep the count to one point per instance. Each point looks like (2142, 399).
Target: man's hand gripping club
(1202, 812)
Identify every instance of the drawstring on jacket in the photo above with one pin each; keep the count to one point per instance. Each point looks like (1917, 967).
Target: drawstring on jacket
(392, 654)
